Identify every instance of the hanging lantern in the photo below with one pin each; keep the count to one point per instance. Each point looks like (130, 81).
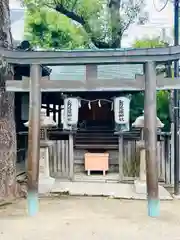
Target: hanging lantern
(121, 110)
(71, 110)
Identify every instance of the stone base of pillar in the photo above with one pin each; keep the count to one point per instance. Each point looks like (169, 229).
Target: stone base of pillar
(142, 172)
(140, 188)
(45, 181)
(176, 197)
(46, 185)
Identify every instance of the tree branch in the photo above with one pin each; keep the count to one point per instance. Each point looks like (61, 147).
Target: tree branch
(74, 4)
(70, 14)
(79, 19)
(116, 27)
(128, 23)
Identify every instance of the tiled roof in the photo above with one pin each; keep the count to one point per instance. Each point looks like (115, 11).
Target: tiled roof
(105, 72)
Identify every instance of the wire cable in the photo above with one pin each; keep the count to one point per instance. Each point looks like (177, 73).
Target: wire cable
(162, 8)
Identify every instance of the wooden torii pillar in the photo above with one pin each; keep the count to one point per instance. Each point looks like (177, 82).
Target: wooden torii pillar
(34, 139)
(151, 140)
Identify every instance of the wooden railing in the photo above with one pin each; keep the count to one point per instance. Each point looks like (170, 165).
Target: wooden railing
(131, 160)
(60, 159)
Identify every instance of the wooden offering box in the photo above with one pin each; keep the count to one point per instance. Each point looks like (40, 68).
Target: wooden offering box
(96, 162)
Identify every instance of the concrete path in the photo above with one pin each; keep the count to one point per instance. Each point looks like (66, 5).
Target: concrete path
(71, 218)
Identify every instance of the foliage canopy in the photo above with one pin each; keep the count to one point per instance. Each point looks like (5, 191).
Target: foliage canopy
(99, 23)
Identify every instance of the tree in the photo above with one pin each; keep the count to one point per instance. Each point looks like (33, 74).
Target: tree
(149, 43)
(8, 186)
(101, 22)
(50, 30)
(162, 96)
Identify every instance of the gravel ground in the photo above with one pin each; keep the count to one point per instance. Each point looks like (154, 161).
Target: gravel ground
(71, 218)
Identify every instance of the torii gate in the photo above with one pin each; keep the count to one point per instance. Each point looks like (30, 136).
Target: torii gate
(149, 82)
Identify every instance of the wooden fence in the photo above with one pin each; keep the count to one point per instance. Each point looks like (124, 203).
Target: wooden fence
(60, 160)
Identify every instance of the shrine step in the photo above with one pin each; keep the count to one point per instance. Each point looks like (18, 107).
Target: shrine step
(89, 172)
(96, 146)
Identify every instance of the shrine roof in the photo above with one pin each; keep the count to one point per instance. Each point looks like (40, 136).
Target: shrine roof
(103, 72)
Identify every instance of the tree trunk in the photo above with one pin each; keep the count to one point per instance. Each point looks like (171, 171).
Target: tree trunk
(114, 7)
(8, 186)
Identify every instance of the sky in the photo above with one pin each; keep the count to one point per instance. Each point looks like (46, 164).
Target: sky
(157, 21)
(15, 4)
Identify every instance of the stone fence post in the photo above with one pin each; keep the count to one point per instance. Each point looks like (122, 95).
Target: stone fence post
(45, 181)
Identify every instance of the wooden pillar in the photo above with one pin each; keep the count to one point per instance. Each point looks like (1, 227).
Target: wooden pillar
(48, 108)
(59, 115)
(71, 156)
(120, 157)
(34, 139)
(54, 112)
(151, 140)
(18, 103)
(91, 75)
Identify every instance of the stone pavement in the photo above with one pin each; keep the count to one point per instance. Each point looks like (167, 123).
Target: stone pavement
(116, 190)
(85, 218)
